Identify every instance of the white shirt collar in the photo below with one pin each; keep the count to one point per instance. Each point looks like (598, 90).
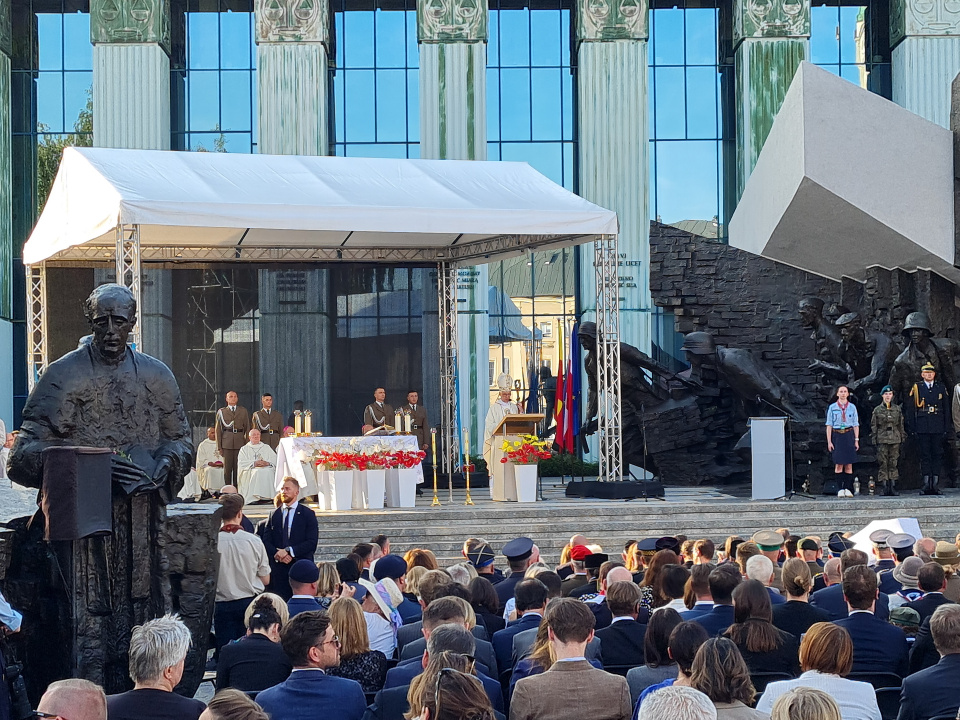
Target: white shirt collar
(621, 617)
(293, 505)
(573, 659)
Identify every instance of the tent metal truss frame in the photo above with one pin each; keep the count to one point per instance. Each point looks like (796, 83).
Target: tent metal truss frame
(606, 264)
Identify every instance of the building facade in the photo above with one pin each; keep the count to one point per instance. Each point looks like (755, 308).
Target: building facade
(654, 108)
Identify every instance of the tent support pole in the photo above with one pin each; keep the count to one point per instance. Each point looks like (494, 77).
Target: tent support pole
(447, 305)
(129, 271)
(606, 260)
(36, 322)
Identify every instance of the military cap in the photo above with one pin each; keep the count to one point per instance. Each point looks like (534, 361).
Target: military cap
(390, 566)
(900, 541)
(699, 343)
(668, 543)
(927, 367)
(847, 319)
(904, 617)
(879, 537)
(519, 549)
(808, 543)
(838, 543)
(595, 560)
(886, 389)
(647, 546)
(579, 553)
(305, 571)
(768, 540)
(481, 555)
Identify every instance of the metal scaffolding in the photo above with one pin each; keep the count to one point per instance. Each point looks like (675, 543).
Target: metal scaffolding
(128, 270)
(36, 323)
(447, 305)
(606, 260)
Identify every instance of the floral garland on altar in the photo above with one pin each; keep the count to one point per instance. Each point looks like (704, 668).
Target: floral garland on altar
(377, 458)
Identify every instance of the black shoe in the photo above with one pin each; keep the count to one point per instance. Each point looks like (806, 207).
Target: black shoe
(893, 491)
(935, 486)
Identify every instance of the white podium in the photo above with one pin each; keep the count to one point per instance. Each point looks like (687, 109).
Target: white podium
(767, 450)
(502, 477)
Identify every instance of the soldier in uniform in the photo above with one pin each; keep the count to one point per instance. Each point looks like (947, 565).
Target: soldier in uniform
(927, 415)
(378, 413)
(901, 545)
(268, 422)
(886, 427)
(881, 550)
(418, 416)
(233, 424)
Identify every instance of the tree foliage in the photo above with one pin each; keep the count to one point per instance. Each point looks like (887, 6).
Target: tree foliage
(50, 148)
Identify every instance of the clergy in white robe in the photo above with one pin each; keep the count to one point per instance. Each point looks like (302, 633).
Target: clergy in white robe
(210, 463)
(257, 465)
(497, 412)
(191, 486)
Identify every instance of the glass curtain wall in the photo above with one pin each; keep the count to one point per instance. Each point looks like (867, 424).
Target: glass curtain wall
(852, 40)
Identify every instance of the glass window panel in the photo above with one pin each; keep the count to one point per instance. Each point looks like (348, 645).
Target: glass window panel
(202, 46)
(235, 40)
(566, 89)
(493, 104)
(358, 39)
(514, 37)
(413, 151)
(77, 90)
(702, 93)
(338, 28)
(50, 41)
(855, 74)
(77, 48)
(391, 107)
(823, 35)
(685, 191)
(204, 91)
(515, 104)
(391, 26)
(669, 115)
(205, 142)
(652, 174)
(413, 105)
(358, 105)
(493, 43)
(668, 37)
(338, 115)
(544, 28)
(50, 101)
(546, 104)
(565, 37)
(546, 158)
(652, 101)
(413, 49)
(493, 151)
(853, 35)
(237, 142)
(234, 100)
(568, 178)
(701, 33)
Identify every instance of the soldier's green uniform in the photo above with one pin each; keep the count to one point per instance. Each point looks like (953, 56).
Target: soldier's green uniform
(886, 425)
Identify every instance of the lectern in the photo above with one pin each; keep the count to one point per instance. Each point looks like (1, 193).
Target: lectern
(511, 428)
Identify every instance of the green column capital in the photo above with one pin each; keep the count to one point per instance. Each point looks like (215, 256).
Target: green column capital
(601, 20)
(6, 28)
(452, 21)
(770, 19)
(130, 21)
(923, 18)
(304, 21)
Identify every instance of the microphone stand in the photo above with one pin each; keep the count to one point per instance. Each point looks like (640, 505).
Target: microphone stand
(643, 484)
(790, 494)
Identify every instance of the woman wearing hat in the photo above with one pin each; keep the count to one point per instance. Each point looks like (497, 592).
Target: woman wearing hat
(886, 426)
(843, 439)
(948, 557)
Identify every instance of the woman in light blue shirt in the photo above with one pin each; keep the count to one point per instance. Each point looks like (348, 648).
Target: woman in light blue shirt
(843, 439)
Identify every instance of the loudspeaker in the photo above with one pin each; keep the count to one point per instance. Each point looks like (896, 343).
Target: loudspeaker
(76, 496)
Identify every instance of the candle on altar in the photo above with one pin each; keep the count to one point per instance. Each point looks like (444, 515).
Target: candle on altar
(433, 433)
(408, 423)
(308, 422)
(297, 422)
(397, 419)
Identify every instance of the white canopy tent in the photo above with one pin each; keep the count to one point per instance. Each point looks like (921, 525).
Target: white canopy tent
(136, 206)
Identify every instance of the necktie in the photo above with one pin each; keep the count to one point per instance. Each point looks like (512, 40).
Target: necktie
(285, 535)
(233, 408)
(414, 408)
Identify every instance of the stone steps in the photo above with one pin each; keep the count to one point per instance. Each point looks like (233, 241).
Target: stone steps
(610, 523)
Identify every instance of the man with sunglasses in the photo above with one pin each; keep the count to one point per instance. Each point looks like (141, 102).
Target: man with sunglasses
(75, 699)
(309, 642)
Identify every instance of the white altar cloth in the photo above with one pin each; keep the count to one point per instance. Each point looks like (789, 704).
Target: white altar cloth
(291, 463)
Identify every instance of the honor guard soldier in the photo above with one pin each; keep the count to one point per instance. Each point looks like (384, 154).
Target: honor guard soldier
(886, 426)
(927, 415)
(838, 543)
(233, 424)
(881, 550)
(418, 416)
(378, 413)
(901, 545)
(268, 422)
(521, 553)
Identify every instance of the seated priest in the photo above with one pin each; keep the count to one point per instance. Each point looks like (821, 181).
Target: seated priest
(257, 465)
(191, 486)
(210, 463)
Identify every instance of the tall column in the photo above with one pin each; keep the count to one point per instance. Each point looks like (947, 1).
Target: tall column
(453, 96)
(771, 39)
(295, 314)
(131, 109)
(925, 37)
(614, 140)
(6, 217)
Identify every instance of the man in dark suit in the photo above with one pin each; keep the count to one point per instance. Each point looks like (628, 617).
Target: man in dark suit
(831, 598)
(233, 424)
(445, 610)
(878, 646)
(309, 642)
(578, 578)
(623, 639)
(932, 580)
(291, 533)
(933, 691)
(722, 581)
(591, 564)
(451, 637)
(303, 577)
(700, 585)
(433, 585)
(531, 599)
(521, 553)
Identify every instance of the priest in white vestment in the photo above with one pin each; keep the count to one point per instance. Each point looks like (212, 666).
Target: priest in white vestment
(257, 474)
(210, 463)
(497, 412)
(191, 486)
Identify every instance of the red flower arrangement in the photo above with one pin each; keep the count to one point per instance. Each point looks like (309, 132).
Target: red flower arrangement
(368, 461)
(407, 458)
(528, 451)
(336, 460)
